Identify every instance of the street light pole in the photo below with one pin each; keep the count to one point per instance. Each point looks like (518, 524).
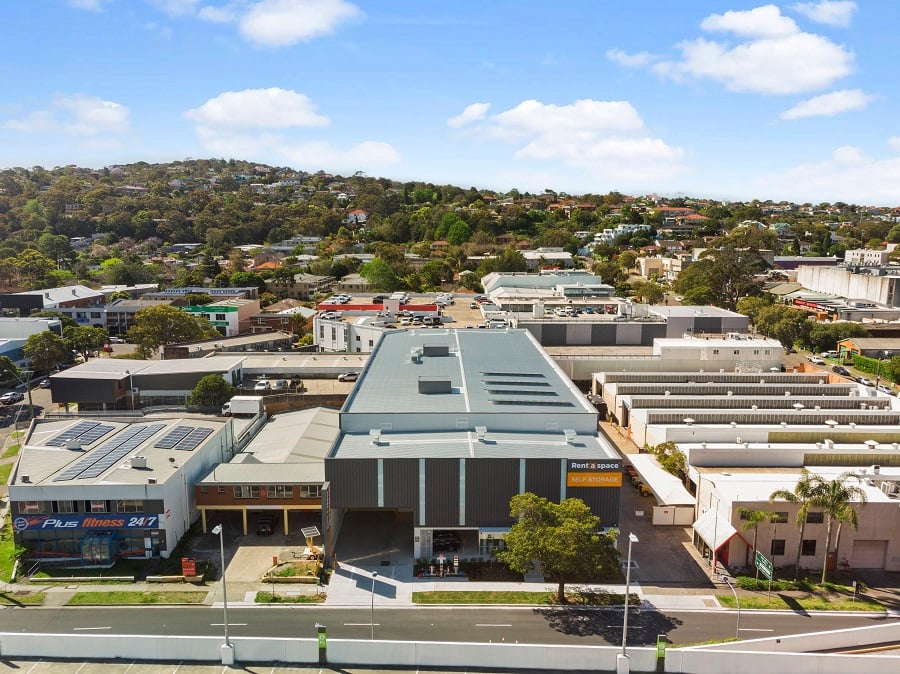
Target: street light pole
(631, 539)
(737, 601)
(218, 530)
(374, 576)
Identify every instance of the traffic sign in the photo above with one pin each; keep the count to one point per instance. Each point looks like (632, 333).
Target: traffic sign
(764, 565)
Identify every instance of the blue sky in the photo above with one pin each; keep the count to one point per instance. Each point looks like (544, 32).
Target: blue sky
(729, 100)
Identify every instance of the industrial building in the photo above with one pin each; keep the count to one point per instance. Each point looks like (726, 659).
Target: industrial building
(444, 427)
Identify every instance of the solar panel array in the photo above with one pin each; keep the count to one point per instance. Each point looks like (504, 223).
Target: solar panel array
(109, 453)
(85, 432)
(186, 438)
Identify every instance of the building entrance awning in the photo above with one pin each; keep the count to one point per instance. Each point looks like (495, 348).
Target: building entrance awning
(714, 529)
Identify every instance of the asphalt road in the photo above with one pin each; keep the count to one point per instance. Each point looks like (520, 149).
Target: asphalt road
(476, 624)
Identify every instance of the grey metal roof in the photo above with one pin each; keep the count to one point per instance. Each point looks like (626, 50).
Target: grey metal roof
(489, 371)
(465, 444)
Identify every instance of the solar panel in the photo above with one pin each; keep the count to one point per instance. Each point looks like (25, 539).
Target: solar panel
(107, 454)
(72, 433)
(173, 437)
(95, 434)
(193, 439)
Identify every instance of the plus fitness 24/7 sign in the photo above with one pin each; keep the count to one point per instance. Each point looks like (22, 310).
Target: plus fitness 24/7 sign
(99, 521)
(593, 473)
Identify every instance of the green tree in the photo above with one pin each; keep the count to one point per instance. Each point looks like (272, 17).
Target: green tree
(825, 336)
(727, 269)
(8, 370)
(247, 279)
(436, 271)
(648, 291)
(211, 391)
(802, 494)
(459, 232)
(752, 519)
(156, 326)
(380, 275)
(562, 537)
(834, 497)
(672, 459)
(46, 350)
(84, 340)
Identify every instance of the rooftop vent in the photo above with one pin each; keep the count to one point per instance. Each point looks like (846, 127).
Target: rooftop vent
(138, 461)
(26, 478)
(151, 480)
(829, 443)
(480, 432)
(375, 436)
(876, 469)
(570, 435)
(871, 444)
(432, 350)
(73, 445)
(433, 385)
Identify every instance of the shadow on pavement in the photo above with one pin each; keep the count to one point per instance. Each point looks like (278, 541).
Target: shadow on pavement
(643, 626)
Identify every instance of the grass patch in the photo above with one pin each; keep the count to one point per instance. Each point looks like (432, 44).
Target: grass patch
(540, 598)
(7, 550)
(806, 602)
(117, 598)
(5, 470)
(22, 598)
(269, 598)
(11, 451)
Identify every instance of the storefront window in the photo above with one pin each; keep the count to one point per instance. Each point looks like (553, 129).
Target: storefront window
(129, 506)
(30, 507)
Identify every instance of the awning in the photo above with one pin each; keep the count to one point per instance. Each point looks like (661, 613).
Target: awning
(667, 488)
(714, 529)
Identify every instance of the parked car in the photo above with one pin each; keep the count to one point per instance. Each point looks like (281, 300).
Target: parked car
(448, 541)
(261, 385)
(11, 397)
(348, 376)
(839, 369)
(865, 381)
(884, 388)
(264, 526)
(829, 354)
(279, 384)
(816, 360)
(45, 383)
(117, 340)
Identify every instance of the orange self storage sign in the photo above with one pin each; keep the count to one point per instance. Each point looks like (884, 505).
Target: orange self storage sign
(593, 473)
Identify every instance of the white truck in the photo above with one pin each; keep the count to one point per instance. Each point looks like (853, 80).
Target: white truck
(243, 406)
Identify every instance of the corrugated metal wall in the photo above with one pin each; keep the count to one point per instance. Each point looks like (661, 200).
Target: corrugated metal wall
(354, 482)
(490, 484)
(603, 501)
(401, 484)
(442, 492)
(542, 478)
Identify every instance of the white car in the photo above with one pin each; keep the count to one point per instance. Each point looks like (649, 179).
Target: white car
(816, 360)
(884, 388)
(261, 385)
(348, 376)
(11, 397)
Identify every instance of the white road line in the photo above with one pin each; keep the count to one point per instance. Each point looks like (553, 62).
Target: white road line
(751, 629)
(361, 624)
(229, 624)
(81, 629)
(492, 625)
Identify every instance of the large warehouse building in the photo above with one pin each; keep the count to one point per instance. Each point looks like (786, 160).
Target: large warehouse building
(444, 427)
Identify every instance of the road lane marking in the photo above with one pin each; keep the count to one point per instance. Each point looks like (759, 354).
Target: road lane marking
(492, 625)
(757, 629)
(361, 624)
(90, 628)
(229, 624)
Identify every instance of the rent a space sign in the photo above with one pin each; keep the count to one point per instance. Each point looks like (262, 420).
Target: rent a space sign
(593, 473)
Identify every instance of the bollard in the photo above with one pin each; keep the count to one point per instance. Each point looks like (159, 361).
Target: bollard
(323, 643)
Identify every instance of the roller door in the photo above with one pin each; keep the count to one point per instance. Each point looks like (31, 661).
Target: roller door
(868, 554)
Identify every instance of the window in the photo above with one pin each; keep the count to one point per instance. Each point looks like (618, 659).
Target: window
(333, 334)
(64, 507)
(220, 317)
(221, 489)
(310, 491)
(777, 547)
(715, 352)
(737, 352)
(96, 314)
(246, 491)
(815, 518)
(755, 352)
(30, 507)
(204, 489)
(279, 491)
(97, 507)
(129, 506)
(779, 517)
(808, 548)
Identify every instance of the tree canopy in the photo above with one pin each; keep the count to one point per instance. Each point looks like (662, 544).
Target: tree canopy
(156, 326)
(211, 391)
(563, 538)
(46, 350)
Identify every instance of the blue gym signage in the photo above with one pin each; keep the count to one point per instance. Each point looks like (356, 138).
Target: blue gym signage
(98, 521)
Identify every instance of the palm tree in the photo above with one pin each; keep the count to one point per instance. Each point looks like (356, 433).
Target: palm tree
(834, 497)
(802, 494)
(752, 520)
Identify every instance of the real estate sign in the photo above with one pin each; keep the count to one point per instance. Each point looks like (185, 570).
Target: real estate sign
(593, 473)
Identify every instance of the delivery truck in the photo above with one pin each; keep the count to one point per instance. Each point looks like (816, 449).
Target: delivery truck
(243, 406)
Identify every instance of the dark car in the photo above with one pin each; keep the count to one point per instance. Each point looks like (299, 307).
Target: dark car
(843, 371)
(445, 541)
(264, 526)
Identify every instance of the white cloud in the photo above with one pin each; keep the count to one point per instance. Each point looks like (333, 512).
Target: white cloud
(830, 12)
(760, 22)
(849, 175)
(472, 113)
(76, 115)
(224, 14)
(281, 23)
(630, 60)
(272, 108)
(894, 143)
(776, 58)
(605, 139)
(828, 105)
